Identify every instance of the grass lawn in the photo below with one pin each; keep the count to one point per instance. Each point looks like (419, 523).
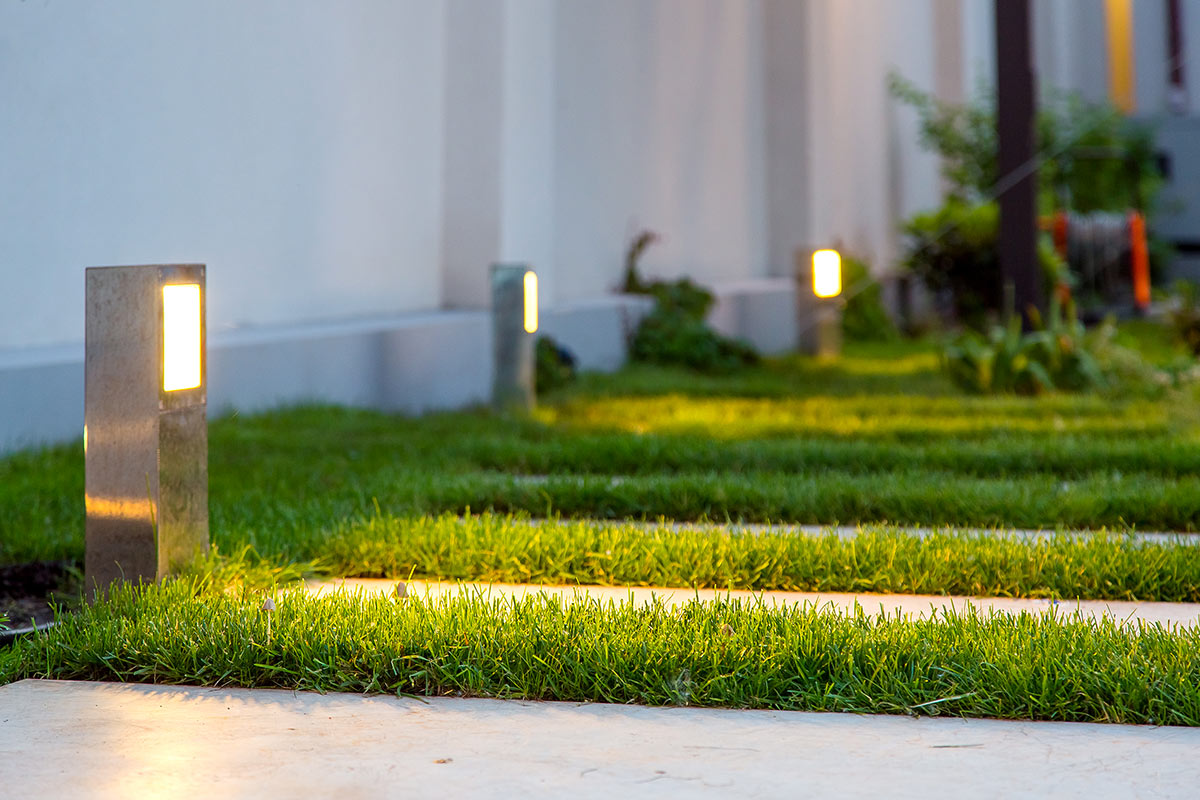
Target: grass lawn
(880, 438)
(724, 653)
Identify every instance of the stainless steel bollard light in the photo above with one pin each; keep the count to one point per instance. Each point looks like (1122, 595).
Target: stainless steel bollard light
(827, 287)
(145, 434)
(514, 322)
(821, 319)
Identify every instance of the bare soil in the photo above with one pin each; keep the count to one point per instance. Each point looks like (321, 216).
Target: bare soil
(26, 591)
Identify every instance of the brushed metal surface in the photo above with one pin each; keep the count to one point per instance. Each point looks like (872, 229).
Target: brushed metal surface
(146, 453)
(512, 386)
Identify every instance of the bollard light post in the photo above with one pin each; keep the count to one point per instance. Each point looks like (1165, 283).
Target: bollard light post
(827, 288)
(514, 322)
(820, 302)
(145, 434)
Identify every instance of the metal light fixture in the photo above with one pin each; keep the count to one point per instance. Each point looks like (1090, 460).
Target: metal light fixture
(514, 321)
(145, 415)
(819, 311)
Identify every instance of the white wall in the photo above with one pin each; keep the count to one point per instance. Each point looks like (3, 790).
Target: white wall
(866, 168)
(292, 146)
(659, 126)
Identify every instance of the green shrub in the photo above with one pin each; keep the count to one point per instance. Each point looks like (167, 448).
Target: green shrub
(1053, 357)
(670, 336)
(674, 332)
(1095, 158)
(953, 251)
(554, 365)
(864, 318)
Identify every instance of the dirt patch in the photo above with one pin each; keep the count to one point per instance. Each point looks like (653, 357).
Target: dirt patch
(26, 590)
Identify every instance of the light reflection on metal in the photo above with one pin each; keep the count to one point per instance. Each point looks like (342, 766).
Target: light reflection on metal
(827, 273)
(146, 434)
(512, 381)
(531, 302)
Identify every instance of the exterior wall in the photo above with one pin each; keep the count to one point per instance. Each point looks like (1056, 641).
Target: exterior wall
(271, 140)
(659, 126)
(865, 168)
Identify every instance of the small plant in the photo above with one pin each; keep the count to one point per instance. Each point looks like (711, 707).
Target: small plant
(864, 318)
(674, 332)
(554, 365)
(1052, 357)
(3, 622)
(1185, 318)
(633, 278)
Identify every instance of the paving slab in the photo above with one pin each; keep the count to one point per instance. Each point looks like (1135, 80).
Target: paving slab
(913, 606)
(1185, 538)
(61, 739)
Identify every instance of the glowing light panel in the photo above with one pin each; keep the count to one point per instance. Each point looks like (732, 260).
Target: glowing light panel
(827, 273)
(181, 336)
(531, 302)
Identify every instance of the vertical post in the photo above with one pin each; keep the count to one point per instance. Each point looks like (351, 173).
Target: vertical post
(1177, 96)
(819, 302)
(145, 422)
(514, 322)
(1017, 184)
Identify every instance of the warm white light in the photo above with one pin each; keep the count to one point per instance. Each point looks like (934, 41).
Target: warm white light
(827, 273)
(181, 336)
(531, 302)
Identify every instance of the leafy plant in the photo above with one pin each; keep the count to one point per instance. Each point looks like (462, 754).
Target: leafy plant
(1095, 158)
(674, 332)
(864, 318)
(554, 365)
(953, 251)
(633, 280)
(670, 336)
(1055, 356)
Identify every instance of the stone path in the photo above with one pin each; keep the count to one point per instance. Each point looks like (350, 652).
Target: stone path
(1169, 614)
(101, 740)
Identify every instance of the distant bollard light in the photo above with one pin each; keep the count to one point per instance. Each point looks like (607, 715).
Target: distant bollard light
(514, 321)
(145, 432)
(827, 273)
(531, 302)
(819, 301)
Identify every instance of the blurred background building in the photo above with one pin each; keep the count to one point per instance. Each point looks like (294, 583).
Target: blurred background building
(348, 170)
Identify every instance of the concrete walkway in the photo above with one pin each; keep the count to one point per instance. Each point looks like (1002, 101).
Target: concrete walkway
(919, 606)
(921, 532)
(99, 740)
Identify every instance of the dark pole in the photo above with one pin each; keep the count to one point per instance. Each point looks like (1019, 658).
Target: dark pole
(1017, 186)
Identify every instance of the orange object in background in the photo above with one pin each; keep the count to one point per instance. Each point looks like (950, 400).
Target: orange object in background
(1140, 258)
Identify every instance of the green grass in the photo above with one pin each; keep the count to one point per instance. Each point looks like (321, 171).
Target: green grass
(507, 550)
(725, 653)
(879, 437)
